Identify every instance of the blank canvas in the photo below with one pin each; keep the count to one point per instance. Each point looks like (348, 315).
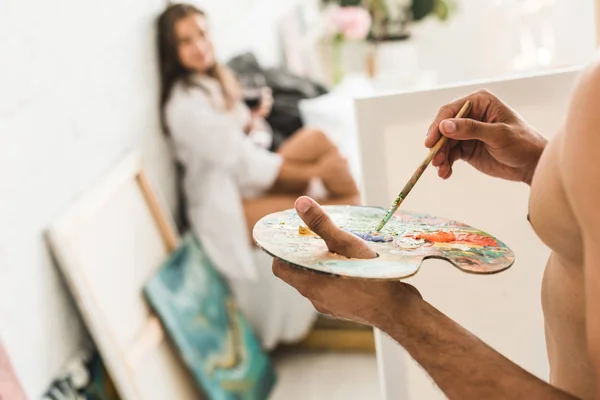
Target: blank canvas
(108, 246)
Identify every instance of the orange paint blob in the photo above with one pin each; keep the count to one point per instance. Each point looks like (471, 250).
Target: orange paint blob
(305, 231)
(436, 237)
(451, 237)
(477, 239)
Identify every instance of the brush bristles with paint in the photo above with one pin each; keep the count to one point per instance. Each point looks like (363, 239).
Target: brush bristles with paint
(466, 108)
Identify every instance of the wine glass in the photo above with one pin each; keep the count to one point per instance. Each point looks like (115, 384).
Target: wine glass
(253, 86)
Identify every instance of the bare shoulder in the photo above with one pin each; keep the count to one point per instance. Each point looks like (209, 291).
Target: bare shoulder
(582, 125)
(588, 86)
(580, 148)
(583, 119)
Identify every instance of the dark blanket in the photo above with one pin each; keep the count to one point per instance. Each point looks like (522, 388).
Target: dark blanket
(288, 89)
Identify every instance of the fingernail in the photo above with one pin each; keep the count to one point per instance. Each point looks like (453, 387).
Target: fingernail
(448, 126)
(303, 204)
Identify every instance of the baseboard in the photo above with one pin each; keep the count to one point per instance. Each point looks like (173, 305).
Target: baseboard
(330, 334)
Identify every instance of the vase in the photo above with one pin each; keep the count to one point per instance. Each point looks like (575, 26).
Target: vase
(338, 59)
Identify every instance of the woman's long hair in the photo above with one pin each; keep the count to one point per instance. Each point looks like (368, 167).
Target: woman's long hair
(171, 69)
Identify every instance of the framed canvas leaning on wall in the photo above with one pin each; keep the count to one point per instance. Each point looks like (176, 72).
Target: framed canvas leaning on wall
(108, 245)
(118, 242)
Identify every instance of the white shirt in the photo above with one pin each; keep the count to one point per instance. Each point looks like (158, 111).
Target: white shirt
(222, 166)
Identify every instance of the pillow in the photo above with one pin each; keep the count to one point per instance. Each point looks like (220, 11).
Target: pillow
(245, 63)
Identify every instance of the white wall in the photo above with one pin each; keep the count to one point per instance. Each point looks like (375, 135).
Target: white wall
(252, 27)
(78, 87)
(482, 38)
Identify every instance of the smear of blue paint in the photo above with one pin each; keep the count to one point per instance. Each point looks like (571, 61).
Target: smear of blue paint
(369, 237)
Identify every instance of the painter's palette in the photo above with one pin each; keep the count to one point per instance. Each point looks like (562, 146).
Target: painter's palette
(402, 245)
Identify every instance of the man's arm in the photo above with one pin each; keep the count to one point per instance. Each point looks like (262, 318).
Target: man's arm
(581, 174)
(460, 363)
(463, 366)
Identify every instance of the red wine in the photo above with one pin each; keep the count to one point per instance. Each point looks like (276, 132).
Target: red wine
(253, 102)
(253, 87)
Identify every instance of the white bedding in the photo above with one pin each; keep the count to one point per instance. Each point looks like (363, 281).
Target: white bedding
(333, 114)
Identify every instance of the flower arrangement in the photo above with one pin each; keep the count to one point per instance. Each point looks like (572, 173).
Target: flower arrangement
(377, 20)
(342, 24)
(390, 16)
(348, 23)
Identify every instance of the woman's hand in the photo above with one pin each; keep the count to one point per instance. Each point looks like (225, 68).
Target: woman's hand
(266, 104)
(494, 139)
(364, 301)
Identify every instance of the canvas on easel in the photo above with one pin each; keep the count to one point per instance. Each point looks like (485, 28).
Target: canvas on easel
(392, 131)
(597, 8)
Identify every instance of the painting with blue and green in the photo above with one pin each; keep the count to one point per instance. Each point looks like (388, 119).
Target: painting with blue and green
(209, 332)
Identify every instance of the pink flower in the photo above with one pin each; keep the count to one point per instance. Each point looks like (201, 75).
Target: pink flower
(353, 23)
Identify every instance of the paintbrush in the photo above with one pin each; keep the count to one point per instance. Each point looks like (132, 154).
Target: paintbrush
(466, 108)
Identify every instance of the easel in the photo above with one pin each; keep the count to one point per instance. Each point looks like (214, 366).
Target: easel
(597, 3)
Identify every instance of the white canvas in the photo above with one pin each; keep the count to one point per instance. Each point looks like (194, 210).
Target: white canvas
(107, 246)
(504, 310)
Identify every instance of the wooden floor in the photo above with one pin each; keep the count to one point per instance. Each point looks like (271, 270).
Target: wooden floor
(335, 335)
(317, 375)
(335, 361)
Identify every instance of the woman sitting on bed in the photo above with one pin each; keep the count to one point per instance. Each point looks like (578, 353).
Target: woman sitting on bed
(229, 174)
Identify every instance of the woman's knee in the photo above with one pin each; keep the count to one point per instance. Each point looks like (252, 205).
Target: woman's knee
(317, 138)
(307, 144)
(321, 137)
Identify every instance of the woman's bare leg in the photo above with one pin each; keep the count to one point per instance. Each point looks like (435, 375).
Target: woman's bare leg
(255, 209)
(338, 179)
(306, 145)
(311, 145)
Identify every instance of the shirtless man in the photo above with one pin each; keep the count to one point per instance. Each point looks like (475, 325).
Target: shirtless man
(564, 188)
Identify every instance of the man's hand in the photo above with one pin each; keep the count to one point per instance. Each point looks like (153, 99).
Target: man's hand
(460, 364)
(494, 139)
(361, 301)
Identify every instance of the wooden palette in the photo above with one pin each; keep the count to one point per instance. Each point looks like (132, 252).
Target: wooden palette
(403, 244)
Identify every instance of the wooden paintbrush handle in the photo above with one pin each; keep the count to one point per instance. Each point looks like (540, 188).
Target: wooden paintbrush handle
(466, 108)
(435, 149)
